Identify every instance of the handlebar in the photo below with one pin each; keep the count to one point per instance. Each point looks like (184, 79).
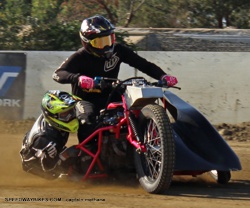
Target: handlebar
(104, 82)
(118, 85)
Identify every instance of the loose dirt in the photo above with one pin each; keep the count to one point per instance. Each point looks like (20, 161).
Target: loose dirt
(185, 191)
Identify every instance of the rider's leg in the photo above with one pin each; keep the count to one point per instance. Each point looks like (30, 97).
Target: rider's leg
(85, 112)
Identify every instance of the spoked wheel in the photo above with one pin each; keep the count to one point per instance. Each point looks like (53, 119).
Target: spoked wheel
(222, 177)
(155, 167)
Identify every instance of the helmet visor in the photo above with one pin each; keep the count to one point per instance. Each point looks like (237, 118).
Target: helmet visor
(67, 116)
(101, 42)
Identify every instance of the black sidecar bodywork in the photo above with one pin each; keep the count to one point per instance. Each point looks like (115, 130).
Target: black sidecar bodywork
(199, 147)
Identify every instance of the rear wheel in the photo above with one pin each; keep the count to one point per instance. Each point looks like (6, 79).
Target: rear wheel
(155, 167)
(222, 177)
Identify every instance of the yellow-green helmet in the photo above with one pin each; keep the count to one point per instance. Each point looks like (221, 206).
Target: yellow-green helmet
(58, 108)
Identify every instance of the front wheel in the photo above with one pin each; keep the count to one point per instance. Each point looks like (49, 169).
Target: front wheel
(155, 167)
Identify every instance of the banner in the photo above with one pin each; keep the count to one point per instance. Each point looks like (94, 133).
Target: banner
(12, 85)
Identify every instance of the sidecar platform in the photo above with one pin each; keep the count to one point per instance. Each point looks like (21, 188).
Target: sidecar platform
(199, 147)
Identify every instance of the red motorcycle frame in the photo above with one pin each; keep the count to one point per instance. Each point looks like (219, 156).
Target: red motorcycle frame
(148, 131)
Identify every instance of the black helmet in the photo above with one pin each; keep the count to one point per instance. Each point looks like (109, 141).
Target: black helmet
(97, 36)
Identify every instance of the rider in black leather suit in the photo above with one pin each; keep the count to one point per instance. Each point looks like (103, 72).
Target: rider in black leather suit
(42, 147)
(100, 56)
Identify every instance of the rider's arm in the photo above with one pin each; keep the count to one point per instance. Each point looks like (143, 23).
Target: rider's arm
(68, 70)
(140, 63)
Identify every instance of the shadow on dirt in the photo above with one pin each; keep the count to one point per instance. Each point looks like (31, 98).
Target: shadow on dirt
(184, 186)
(239, 189)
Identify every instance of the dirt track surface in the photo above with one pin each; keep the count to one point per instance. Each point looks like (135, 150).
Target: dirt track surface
(185, 191)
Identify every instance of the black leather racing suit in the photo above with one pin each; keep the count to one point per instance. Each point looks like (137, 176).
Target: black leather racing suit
(40, 149)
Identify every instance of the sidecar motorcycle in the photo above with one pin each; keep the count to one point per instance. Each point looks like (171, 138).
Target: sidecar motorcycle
(155, 134)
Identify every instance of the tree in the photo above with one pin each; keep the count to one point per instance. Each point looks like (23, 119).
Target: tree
(46, 10)
(54, 24)
(11, 23)
(216, 13)
(79, 9)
